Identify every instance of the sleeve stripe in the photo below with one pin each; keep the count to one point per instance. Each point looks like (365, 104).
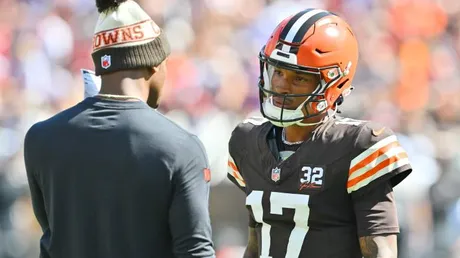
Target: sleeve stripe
(389, 165)
(396, 151)
(235, 173)
(232, 165)
(384, 167)
(372, 159)
(382, 143)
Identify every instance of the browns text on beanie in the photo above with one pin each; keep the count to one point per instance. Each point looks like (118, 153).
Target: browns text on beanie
(126, 38)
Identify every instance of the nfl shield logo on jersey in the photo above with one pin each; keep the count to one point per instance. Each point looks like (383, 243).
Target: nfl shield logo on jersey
(276, 174)
(106, 61)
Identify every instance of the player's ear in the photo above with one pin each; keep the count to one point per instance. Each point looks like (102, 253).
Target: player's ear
(155, 69)
(159, 67)
(149, 72)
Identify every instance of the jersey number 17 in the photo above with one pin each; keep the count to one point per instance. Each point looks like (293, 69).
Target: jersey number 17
(278, 201)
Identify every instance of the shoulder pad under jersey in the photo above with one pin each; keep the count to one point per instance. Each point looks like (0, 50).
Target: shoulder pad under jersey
(247, 125)
(236, 148)
(255, 120)
(377, 156)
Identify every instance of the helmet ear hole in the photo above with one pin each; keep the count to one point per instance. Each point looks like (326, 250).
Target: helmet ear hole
(342, 84)
(339, 100)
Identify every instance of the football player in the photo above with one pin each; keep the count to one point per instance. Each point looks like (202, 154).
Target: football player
(317, 185)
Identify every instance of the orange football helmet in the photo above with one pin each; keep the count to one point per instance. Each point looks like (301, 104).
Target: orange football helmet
(312, 41)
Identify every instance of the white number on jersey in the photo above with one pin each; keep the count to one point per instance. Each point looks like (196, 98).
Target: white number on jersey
(312, 175)
(278, 201)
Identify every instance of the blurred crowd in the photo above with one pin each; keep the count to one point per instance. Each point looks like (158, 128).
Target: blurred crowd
(408, 78)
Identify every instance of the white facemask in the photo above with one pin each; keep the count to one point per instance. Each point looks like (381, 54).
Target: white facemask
(274, 112)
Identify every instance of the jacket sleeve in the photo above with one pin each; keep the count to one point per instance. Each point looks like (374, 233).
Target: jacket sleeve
(189, 218)
(31, 159)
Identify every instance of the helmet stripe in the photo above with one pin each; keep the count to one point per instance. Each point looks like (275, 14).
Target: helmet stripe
(300, 22)
(291, 22)
(306, 26)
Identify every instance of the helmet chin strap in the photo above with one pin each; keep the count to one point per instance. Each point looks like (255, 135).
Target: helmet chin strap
(275, 112)
(329, 114)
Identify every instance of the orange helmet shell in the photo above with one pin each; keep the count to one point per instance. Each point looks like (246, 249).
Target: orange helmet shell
(322, 43)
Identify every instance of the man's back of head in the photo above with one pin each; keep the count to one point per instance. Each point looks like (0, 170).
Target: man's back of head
(129, 51)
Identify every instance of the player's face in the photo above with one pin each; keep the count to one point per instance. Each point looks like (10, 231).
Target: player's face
(291, 82)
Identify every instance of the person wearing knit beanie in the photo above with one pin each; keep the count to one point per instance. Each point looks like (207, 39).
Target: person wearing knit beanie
(111, 177)
(129, 52)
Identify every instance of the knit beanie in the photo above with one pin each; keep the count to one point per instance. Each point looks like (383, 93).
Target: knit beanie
(126, 38)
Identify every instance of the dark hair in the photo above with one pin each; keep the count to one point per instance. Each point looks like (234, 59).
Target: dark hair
(104, 5)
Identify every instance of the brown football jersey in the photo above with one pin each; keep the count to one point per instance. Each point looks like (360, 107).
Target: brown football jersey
(315, 203)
